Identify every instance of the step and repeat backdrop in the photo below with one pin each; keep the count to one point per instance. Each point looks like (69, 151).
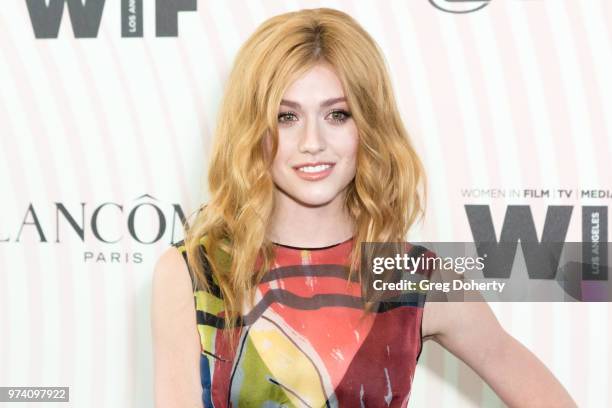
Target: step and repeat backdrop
(107, 110)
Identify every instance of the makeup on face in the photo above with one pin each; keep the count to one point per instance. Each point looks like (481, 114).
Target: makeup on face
(317, 139)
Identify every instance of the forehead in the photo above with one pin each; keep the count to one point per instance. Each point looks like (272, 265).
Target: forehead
(318, 83)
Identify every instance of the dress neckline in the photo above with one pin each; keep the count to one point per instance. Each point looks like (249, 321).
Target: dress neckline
(312, 248)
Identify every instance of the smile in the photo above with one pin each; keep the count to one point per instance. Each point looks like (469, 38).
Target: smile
(314, 172)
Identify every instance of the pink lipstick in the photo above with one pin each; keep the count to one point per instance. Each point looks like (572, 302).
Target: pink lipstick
(314, 171)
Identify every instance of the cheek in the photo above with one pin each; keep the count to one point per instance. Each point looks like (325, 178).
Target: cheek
(349, 144)
(281, 156)
(282, 160)
(287, 146)
(351, 148)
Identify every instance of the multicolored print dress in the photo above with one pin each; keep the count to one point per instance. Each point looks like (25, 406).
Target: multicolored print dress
(303, 344)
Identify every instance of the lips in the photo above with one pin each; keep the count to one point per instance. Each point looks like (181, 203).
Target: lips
(314, 171)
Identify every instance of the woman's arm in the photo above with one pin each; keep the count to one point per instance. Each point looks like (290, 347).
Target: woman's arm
(176, 344)
(471, 332)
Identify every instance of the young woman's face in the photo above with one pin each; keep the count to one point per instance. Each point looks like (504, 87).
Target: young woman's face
(317, 146)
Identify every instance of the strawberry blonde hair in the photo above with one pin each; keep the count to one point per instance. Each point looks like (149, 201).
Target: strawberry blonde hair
(384, 199)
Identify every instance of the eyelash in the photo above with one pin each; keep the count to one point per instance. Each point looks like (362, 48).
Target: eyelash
(346, 114)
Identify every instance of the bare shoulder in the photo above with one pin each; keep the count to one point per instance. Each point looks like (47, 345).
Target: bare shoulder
(170, 275)
(451, 318)
(176, 343)
(469, 330)
(172, 287)
(447, 318)
(429, 324)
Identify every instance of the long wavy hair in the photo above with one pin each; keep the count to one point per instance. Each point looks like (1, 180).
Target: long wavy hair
(385, 198)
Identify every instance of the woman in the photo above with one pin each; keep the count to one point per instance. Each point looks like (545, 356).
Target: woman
(310, 159)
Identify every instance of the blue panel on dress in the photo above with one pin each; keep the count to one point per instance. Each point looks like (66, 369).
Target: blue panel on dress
(205, 380)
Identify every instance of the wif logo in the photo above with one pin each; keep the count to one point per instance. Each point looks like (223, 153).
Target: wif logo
(459, 6)
(46, 17)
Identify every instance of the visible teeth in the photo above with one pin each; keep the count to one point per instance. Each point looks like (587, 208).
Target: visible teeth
(314, 169)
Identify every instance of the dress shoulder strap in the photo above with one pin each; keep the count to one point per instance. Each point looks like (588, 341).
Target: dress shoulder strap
(180, 246)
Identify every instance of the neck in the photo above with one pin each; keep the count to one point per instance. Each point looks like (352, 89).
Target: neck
(301, 225)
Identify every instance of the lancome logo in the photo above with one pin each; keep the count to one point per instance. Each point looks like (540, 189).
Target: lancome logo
(46, 17)
(145, 221)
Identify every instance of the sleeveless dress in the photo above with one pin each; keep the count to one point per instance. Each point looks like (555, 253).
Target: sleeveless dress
(305, 342)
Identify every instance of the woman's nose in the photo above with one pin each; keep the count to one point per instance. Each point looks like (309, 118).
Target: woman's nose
(312, 140)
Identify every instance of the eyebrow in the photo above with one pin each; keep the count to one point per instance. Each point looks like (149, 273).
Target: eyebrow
(325, 103)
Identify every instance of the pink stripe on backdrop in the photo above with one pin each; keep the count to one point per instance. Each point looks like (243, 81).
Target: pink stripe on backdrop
(96, 275)
(132, 341)
(548, 62)
(99, 279)
(579, 367)
(216, 44)
(14, 169)
(221, 66)
(478, 65)
(447, 106)
(522, 93)
(76, 149)
(68, 322)
(69, 325)
(594, 90)
(468, 35)
(205, 125)
(542, 325)
(607, 17)
(405, 94)
(513, 91)
(5, 313)
(543, 329)
(35, 357)
(168, 124)
(130, 292)
(243, 20)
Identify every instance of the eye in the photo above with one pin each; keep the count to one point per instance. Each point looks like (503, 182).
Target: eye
(339, 115)
(285, 117)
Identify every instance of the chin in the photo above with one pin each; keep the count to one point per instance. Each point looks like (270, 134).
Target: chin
(313, 198)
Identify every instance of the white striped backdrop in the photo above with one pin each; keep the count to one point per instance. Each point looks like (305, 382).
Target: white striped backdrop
(516, 95)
